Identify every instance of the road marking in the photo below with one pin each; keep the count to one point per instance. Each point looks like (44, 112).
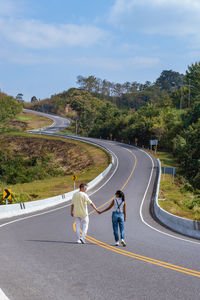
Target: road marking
(150, 226)
(32, 216)
(3, 296)
(55, 209)
(124, 183)
(134, 255)
(144, 258)
(111, 248)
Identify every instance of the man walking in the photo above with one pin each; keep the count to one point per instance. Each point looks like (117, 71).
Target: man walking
(80, 212)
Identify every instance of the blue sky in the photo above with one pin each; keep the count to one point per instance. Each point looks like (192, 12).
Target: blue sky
(46, 44)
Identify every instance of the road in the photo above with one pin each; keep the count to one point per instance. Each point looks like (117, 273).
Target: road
(40, 259)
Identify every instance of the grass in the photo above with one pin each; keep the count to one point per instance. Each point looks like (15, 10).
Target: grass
(50, 187)
(177, 198)
(167, 159)
(22, 122)
(33, 121)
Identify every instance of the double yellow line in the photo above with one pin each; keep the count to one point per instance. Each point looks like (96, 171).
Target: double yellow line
(134, 255)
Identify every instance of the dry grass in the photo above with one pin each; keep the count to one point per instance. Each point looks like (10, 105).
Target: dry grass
(86, 161)
(176, 199)
(33, 121)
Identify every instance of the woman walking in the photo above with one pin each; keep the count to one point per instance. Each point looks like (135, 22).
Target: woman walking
(118, 216)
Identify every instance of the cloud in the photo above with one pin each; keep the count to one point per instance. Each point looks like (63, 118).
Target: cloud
(137, 62)
(29, 59)
(166, 17)
(10, 8)
(6, 7)
(37, 35)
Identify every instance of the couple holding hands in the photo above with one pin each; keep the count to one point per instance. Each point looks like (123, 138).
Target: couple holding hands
(80, 212)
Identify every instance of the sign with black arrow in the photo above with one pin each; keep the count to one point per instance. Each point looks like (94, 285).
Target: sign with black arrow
(74, 177)
(7, 194)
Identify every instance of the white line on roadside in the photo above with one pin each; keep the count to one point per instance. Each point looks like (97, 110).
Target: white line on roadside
(55, 209)
(141, 206)
(3, 296)
(32, 216)
(110, 176)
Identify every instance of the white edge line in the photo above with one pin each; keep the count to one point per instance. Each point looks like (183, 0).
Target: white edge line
(55, 209)
(111, 174)
(3, 296)
(141, 206)
(32, 216)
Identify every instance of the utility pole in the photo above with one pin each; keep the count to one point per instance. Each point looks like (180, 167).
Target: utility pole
(181, 100)
(189, 96)
(76, 126)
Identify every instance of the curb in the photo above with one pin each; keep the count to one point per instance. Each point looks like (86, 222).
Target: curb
(184, 226)
(13, 210)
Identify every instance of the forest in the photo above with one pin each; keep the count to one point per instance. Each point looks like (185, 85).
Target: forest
(167, 110)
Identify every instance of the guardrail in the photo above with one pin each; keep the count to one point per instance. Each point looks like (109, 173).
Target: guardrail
(184, 226)
(12, 210)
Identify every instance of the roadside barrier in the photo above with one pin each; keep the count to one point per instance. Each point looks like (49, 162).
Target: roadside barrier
(13, 210)
(184, 226)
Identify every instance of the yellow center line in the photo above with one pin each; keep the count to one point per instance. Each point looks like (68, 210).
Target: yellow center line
(131, 254)
(133, 169)
(143, 258)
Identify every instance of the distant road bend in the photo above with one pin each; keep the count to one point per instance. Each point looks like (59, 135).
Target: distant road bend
(39, 259)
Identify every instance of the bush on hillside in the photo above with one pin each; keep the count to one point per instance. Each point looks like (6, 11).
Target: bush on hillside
(9, 107)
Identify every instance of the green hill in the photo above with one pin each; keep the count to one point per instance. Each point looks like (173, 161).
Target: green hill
(168, 111)
(9, 107)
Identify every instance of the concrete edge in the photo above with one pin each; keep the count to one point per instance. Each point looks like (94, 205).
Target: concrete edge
(184, 226)
(13, 210)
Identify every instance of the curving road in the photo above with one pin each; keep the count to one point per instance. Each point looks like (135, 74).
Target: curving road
(39, 259)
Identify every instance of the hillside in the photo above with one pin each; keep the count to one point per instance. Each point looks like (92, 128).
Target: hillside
(167, 110)
(9, 107)
(37, 167)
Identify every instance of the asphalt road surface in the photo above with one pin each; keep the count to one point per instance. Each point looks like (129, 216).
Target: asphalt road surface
(39, 258)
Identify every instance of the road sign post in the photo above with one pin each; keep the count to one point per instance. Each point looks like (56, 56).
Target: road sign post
(155, 148)
(153, 143)
(170, 171)
(7, 195)
(74, 178)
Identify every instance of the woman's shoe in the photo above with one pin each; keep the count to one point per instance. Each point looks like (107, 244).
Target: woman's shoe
(117, 243)
(123, 243)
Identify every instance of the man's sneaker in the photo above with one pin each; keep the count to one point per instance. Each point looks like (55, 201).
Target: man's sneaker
(82, 240)
(123, 243)
(78, 241)
(117, 243)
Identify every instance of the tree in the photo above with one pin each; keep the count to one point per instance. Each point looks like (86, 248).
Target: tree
(34, 99)
(90, 84)
(105, 88)
(170, 80)
(187, 147)
(193, 81)
(19, 98)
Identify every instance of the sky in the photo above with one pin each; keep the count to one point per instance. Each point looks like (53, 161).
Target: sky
(46, 44)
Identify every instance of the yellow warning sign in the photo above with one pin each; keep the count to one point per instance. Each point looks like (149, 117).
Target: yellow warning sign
(74, 177)
(7, 194)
